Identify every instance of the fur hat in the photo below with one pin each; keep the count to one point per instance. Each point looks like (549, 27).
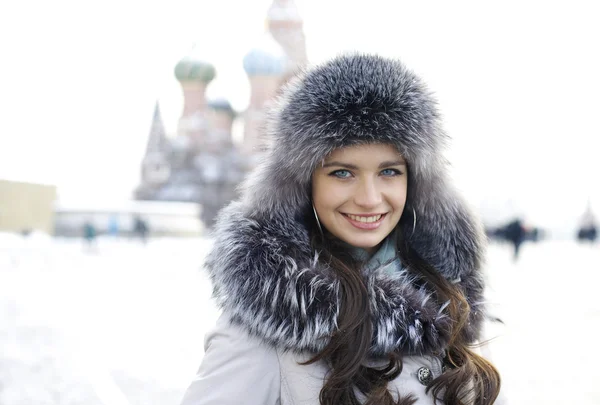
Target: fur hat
(262, 250)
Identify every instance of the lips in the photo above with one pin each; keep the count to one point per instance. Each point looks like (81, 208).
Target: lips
(365, 221)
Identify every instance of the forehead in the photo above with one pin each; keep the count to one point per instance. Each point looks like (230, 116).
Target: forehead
(375, 152)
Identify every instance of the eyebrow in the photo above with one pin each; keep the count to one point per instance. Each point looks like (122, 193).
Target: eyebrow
(387, 163)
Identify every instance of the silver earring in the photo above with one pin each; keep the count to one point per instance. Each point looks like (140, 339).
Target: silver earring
(317, 218)
(414, 222)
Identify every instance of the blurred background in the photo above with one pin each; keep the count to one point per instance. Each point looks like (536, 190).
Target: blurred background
(126, 126)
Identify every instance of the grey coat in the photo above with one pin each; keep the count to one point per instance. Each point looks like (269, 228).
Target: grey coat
(241, 369)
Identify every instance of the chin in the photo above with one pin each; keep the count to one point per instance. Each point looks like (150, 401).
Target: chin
(365, 244)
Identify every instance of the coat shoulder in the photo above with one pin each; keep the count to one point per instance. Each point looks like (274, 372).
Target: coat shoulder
(236, 368)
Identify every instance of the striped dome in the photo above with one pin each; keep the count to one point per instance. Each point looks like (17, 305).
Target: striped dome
(266, 59)
(193, 68)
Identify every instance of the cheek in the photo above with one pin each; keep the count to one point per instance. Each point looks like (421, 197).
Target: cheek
(401, 200)
(315, 189)
(397, 196)
(321, 193)
(328, 197)
(324, 201)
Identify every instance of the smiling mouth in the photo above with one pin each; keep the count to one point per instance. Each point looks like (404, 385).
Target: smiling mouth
(365, 222)
(365, 218)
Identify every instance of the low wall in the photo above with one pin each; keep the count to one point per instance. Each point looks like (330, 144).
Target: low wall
(163, 218)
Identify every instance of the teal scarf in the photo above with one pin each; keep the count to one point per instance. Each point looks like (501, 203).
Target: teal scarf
(385, 259)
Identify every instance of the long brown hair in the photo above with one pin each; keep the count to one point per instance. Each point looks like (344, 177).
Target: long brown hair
(470, 380)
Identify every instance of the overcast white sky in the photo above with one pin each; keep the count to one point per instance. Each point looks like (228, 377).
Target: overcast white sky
(518, 84)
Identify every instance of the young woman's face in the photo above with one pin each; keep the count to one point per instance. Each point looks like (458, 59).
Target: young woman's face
(359, 193)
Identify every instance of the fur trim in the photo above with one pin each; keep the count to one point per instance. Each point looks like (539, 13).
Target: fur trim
(264, 273)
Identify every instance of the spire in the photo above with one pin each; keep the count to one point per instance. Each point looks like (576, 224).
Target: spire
(157, 139)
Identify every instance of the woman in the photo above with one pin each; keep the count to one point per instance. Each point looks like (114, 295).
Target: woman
(349, 271)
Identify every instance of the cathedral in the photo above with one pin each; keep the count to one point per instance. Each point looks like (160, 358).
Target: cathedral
(201, 163)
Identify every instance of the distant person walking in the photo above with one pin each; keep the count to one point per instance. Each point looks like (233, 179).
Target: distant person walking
(113, 226)
(587, 234)
(90, 234)
(588, 229)
(141, 229)
(515, 233)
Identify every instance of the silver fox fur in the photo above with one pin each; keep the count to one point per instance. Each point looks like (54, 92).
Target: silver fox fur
(264, 273)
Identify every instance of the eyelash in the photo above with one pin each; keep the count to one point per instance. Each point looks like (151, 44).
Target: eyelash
(396, 172)
(335, 173)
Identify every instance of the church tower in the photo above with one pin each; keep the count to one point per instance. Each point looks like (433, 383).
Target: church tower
(286, 26)
(194, 73)
(265, 66)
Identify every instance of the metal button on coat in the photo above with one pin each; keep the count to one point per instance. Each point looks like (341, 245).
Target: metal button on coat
(424, 376)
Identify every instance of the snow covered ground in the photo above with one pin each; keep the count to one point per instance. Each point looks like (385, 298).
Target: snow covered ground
(123, 324)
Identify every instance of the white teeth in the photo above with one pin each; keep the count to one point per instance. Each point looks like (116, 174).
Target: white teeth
(374, 218)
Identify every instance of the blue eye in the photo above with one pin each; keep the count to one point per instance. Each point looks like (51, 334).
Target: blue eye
(391, 172)
(342, 174)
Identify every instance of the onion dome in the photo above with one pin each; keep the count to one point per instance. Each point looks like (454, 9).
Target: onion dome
(266, 59)
(221, 104)
(194, 68)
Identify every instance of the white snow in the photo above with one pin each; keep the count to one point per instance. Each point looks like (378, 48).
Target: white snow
(123, 323)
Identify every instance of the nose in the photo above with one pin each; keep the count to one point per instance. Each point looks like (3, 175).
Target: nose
(367, 194)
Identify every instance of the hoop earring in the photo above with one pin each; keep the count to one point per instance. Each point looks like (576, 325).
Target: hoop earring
(317, 218)
(414, 222)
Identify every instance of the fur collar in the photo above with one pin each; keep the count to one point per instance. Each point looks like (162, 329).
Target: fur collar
(267, 280)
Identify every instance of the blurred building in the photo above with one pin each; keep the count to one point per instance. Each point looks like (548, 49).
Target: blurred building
(201, 163)
(26, 207)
